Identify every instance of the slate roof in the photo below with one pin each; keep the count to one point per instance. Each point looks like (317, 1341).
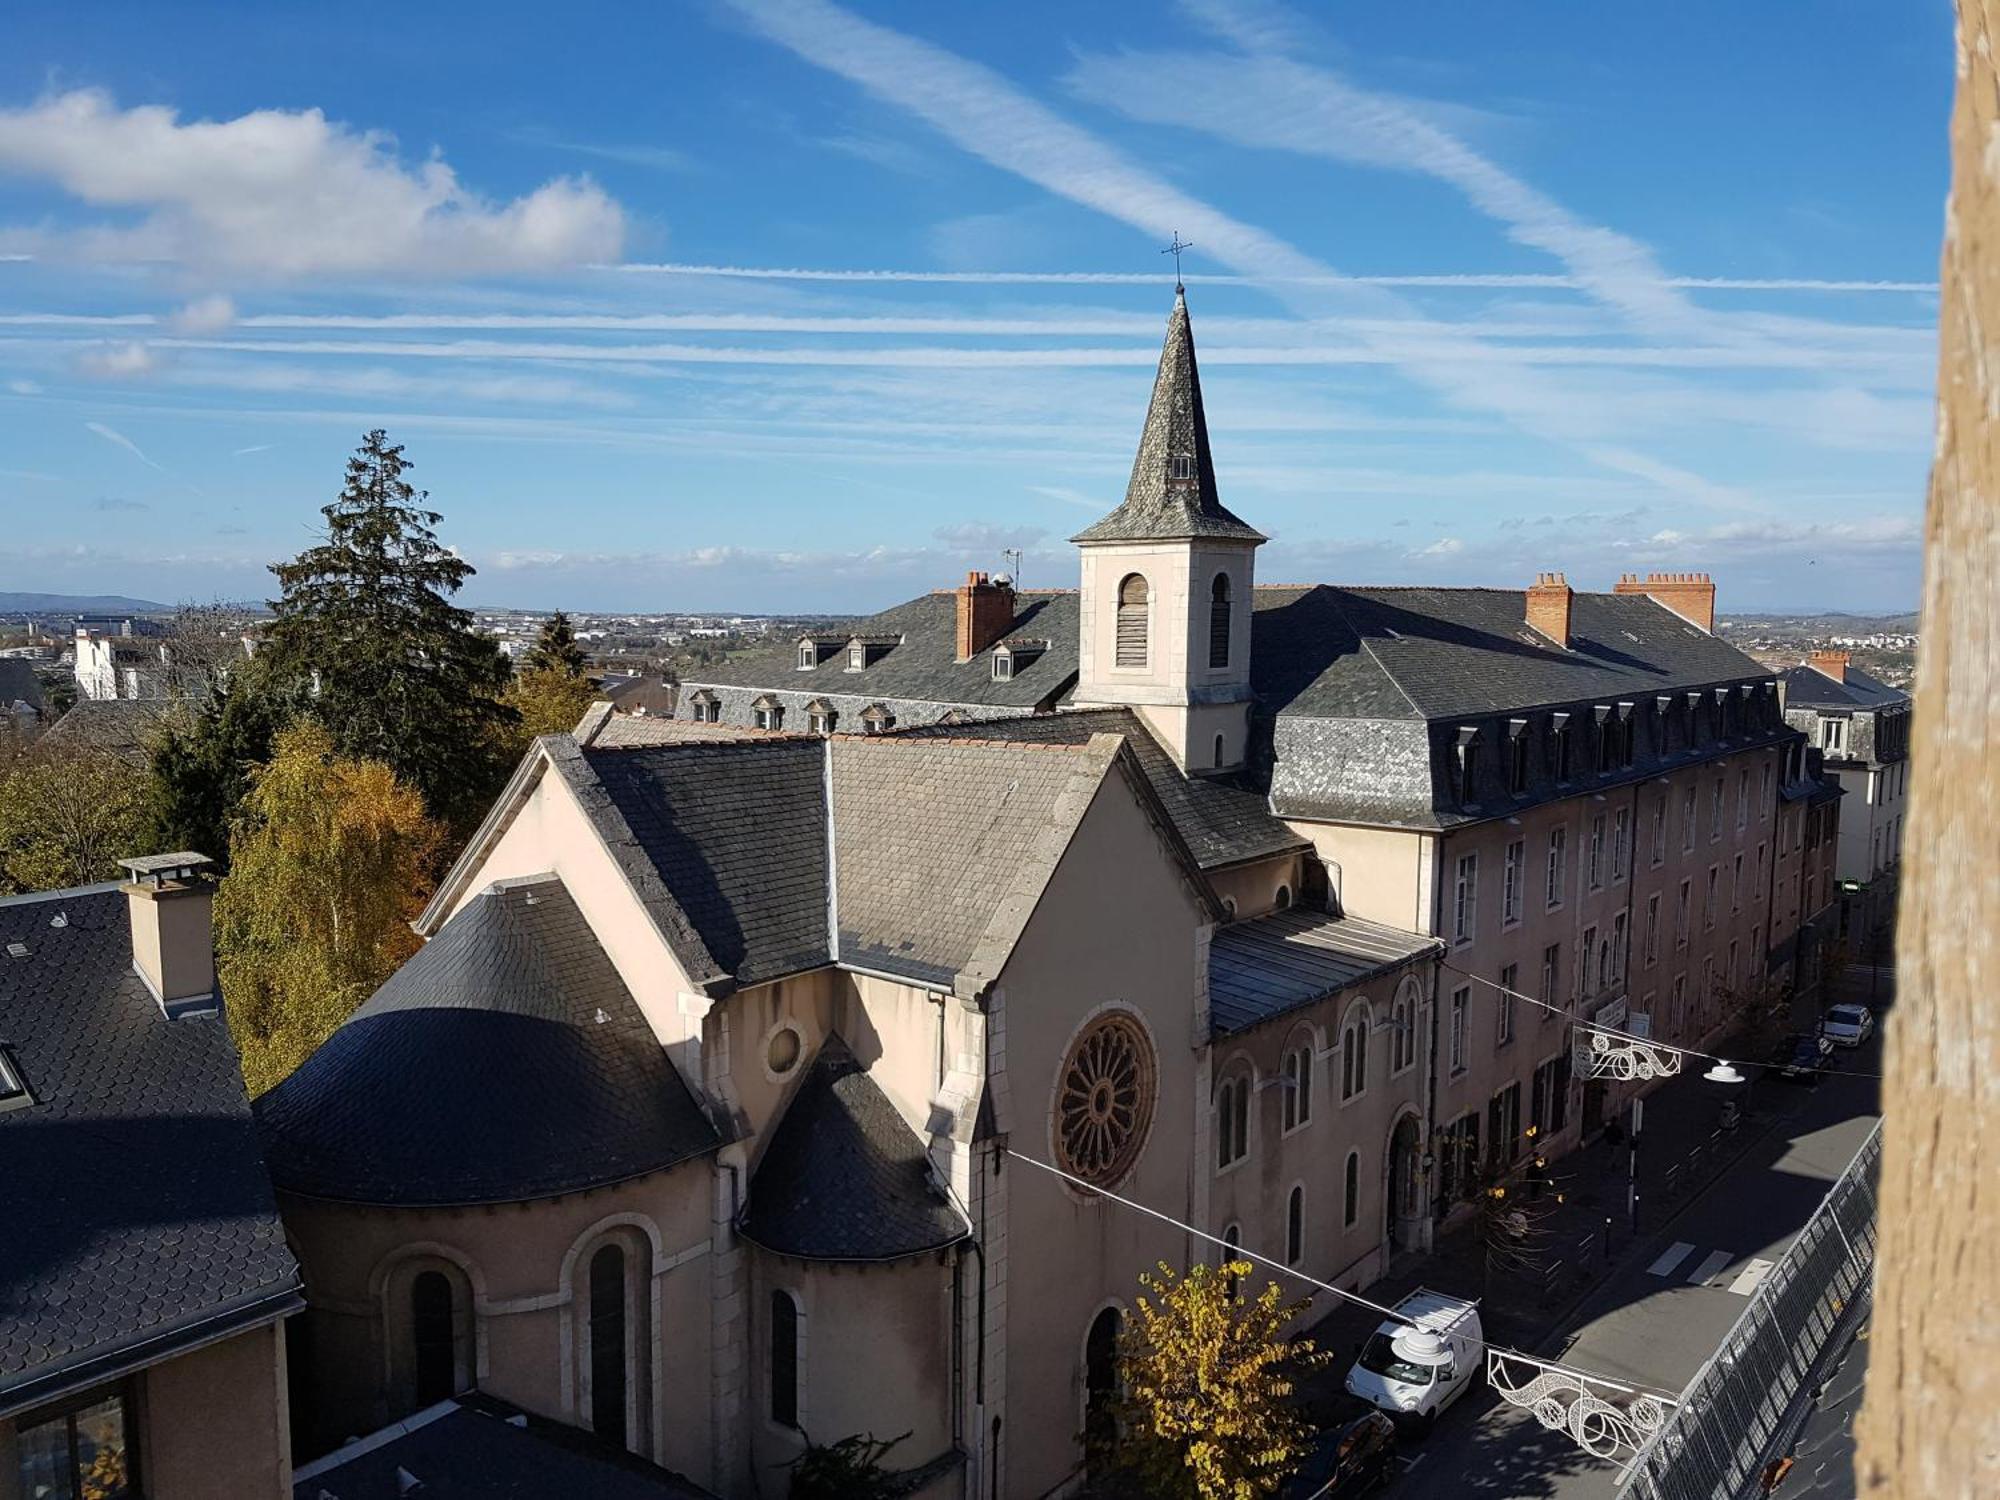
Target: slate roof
(924, 668)
(623, 731)
(1157, 505)
(505, 1061)
(478, 1448)
(138, 1216)
(19, 684)
(1806, 687)
(123, 727)
(1223, 821)
(1278, 963)
(845, 1178)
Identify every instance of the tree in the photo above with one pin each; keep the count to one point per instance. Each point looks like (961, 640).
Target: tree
(204, 648)
(1514, 1230)
(395, 671)
(330, 862)
(67, 818)
(555, 649)
(545, 701)
(1930, 1423)
(202, 765)
(851, 1469)
(1206, 1411)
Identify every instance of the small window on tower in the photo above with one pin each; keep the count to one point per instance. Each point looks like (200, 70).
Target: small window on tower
(1181, 466)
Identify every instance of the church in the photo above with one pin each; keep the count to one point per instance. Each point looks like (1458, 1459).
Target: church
(763, 1065)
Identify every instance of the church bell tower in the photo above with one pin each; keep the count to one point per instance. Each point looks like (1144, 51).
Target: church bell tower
(1165, 609)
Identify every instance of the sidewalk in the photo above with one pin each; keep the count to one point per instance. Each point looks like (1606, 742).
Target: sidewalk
(1681, 1150)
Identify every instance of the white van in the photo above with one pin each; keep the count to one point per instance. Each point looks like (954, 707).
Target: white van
(1420, 1361)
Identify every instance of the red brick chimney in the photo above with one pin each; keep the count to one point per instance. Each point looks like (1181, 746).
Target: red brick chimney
(1829, 663)
(1689, 595)
(985, 614)
(1548, 607)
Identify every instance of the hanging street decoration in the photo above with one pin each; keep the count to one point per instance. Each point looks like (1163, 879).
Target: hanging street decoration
(1606, 1420)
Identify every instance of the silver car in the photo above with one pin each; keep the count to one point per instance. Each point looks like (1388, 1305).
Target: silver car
(1848, 1025)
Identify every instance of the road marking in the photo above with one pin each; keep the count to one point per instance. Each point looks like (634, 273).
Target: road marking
(1676, 1253)
(1751, 1277)
(1701, 1274)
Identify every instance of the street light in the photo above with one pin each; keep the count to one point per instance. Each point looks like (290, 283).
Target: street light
(1724, 1071)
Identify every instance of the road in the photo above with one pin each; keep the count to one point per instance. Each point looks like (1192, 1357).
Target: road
(1667, 1306)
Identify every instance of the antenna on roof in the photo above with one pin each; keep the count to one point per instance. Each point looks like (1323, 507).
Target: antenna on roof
(1013, 557)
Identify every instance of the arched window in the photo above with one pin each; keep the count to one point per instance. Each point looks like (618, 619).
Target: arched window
(1134, 603)
(1232, 1120)
(784, 1359)
(1218, 752)
(1354, 1053)
(433, 1338)
(1295, 1227)
(1100, 1384)
(1283, 900)
(1351, 1191)
(608, 1344)
(1403, 1020)
(1297, 1083)
(1232, 1240)
(1218, 621)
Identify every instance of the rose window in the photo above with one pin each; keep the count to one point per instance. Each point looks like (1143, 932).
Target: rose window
(1104, 1100)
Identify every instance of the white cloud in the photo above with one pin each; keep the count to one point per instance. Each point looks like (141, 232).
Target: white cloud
(1444, 546)
(204, 315)
(131, 360)
(289, 193)
(23, 388)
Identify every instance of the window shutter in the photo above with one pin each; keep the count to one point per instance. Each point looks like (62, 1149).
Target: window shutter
(1133, 602)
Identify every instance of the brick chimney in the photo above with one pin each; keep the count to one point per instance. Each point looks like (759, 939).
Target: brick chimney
(1689, 595)
(1548, 607)
(985, 613)
(1830, 663)
(168, 899)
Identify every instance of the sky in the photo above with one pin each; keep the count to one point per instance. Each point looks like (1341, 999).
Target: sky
(788, 305)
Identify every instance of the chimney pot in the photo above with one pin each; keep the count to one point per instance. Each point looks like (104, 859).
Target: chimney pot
(169, 901)
(1548, 607)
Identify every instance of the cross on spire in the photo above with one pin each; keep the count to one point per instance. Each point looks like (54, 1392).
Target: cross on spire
(1174, 248)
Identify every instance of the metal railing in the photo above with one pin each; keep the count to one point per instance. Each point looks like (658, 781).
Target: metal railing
(1733, 1412)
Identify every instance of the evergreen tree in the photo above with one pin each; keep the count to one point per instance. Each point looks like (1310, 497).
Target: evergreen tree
(204, 759)
(555, 649)
(395, 671)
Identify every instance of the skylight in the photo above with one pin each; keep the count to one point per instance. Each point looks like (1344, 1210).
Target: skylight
(13, 1090)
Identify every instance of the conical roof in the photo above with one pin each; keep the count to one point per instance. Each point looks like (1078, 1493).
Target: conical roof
(1172, 492)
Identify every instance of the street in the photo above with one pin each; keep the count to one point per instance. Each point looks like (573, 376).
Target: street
(1669, 1301)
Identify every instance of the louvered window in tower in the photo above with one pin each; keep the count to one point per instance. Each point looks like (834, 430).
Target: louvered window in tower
(1181, 466)
(1218, 622)
(1134, 601)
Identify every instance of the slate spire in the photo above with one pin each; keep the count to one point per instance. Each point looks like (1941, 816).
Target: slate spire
(1172, 494)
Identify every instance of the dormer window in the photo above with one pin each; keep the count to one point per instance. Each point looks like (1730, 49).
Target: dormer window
(1181, 467)
(768, 713)
(1003, 665)
(1010, 657)
(821, 716)
(876, 719)
(704, 707)
(1468, 764)
(1559, 752)
(808, 656)
(1517, 756)
(857, 656)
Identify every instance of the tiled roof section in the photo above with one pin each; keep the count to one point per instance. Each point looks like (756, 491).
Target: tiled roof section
(737, 833)
(626, 731)
(1222, 821)
(138, 1215)
(643, 695)
(845, 1178)
(1806, 687)
(1159, 505)
(942, 847)
(925, 666)
(1274, 965)
(505, 1061)
(1433, 653)
(19, 684)
(478, 1448)
(123, 727)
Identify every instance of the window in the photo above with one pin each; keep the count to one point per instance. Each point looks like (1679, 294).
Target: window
(784, 1359)
(1350, 1190)
(1297, 1073)
(1465, 899)
(1708, 899)
(1510, 981)
(808, 656)
(1295, 1226)
(1621, 843)
(1687, 820)
(1354, 1052)
(1457, 1171)
(822, 719)
(1104, 1099)
(1764, 794)
(1757, 883)
(1218, 752)
(607, 1344)
(1548, 1096)
(1467, 751)
(1003, 666)
(1558, 865)
(1650, 953)
(877, 719)
(1517, 757)
(1660, 832)
(84, 1453)
(1100, 1386)
(1742, 798)
(1677, 1005)
(1681, 915)
(1282, 900)
(1586, 968)
(1833, 735)
(1134, 602)
(1403, 1027)
(1736, 885)
(1503, 1126)
(1614, 972)
(1180, 466)
(767, 714)
(1715, 811)
(1232, 1241)
(13, 1088)
(1461, 1000)
(1232, 1121)
(1731, 971)
(1552, 957)
(1218, 621)
(1510, 884)
(1595, 864)
(1559, 745)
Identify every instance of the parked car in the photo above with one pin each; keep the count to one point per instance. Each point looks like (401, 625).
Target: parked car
(1417, 1363)
(1354, 1460)
(1848, 1025)
(1804, 1056)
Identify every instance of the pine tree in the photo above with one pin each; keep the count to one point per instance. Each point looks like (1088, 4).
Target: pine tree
(395, 671)
(555, 649)
(203, 761)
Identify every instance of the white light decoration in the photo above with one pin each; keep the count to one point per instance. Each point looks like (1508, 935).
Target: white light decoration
(1607, 1421)
(1607, 1054)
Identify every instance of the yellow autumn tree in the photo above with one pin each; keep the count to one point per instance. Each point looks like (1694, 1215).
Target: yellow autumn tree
(330, 860)
(549, 701)
(1205, 1410)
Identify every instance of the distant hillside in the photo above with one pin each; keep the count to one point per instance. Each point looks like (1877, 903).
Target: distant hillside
(78, 604)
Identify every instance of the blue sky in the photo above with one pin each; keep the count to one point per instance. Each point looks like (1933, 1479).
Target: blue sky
(775, 304)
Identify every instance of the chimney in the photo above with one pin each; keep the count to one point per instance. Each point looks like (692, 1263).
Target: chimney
(1689, 595)
(985, 613)
(1829, 663)
(1548, 607)
(168, 900)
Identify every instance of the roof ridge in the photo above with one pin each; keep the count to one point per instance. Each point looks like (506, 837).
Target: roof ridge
(907, 738)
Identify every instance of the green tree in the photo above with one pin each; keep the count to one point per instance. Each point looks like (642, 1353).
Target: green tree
(1206, 1410)
(395, 671)
(202, 764)
(331, 860)
(67, 818)
(545, 702)
(555, 649)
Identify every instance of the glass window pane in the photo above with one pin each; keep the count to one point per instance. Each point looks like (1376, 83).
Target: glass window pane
(100, 1450)
(46, 1470)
